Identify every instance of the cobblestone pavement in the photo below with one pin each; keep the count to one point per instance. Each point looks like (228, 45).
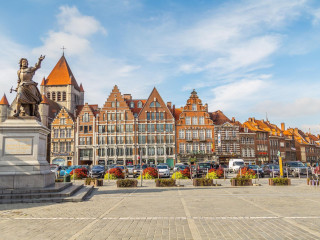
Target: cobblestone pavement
(225, 212)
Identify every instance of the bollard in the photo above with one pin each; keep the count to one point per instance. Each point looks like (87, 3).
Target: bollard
(299, 173)
(287, 173)
(272, 172)
(224, 174)
(108, 175)
(207, 173)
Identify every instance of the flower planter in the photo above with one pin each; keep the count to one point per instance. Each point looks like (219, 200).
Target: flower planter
(283, 182)
(98, 182)
(126, 183)
(202, 182)
(241, 182)
(313, 182)
(87, 181)
(165, 182)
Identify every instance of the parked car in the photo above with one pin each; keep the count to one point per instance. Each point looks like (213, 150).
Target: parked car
(269, 168)
(97, 171)
(258, 170)
(235, 164)
(296, 167)
(202, 169)
(130, 169)
(176, 166)
(182, 167)
(138, 169)
(163, 170)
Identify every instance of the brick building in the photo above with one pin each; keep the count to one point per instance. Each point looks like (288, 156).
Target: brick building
(194, 129)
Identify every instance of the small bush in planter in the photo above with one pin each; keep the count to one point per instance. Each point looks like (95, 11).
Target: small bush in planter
(241, 181)
(88, 181)
(247, 173)
(127, 183)
(212, 175)
(165, 182)
(278, 181)
(202, 182)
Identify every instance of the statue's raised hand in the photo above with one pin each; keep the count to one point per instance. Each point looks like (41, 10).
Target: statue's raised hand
(41, 57)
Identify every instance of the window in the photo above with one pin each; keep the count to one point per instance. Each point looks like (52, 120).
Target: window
(129, 128)
(55, 147)
(141, 128)
(148, 116)
(151, 139)
(169, 139)
(195, 134)
(181, 134)
(202, 147)
(131, 104)
(48, 95)
(62, 147)
(101, 140)
(181, 148)
(139, 104)
(110, 151)
(160, 151)
(129, 151)
(188, 135)
(82, 141)
(155, 104)
(188, 120)
(194, 107)
(101, 128)
(62, 133)
(160, 128)
(89, 140)
(189, 147)
(153, 116)
(62, 121)
(208, 133)
(101, 152)
(169, 127)
(53, 96)
(195, 147)
(120, 140)
(157, 115)
(68, 146)
(110, 140)
(151, 128)
(169, 150)
(86, 117)
(141, 139)
(119, 151)
(209, 150)
(59, 96)
(151, 151)
(129, 140)
(56, 133)
(202, 134)
(64, 96)
(160, 139)
(69, 133)
(161, 116)
(201, 120)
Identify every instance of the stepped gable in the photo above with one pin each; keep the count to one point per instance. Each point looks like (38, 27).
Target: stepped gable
(219, 118)
(4, 100)
(61, 75)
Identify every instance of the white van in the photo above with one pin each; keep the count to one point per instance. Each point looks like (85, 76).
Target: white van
(235, 164)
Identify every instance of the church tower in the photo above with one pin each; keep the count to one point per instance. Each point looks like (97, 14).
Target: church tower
(4, 108)
(62, 87)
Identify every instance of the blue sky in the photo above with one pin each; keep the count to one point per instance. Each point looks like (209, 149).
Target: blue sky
(246, 58)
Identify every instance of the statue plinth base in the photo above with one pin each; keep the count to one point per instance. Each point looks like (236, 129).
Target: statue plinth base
(23, 152)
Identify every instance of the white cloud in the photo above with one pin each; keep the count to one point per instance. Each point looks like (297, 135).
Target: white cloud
(74, 31)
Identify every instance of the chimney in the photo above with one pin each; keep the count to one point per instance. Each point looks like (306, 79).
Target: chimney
(233, 119)
(127, 96)
(169, 105)
(283, 127)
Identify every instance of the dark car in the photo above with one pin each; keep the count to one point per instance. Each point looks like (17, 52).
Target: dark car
(272, 170)
(202, 169)
(97, 171)
(258, 170)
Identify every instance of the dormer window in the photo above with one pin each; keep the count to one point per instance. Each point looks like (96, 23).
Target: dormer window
(154, 104)
(139, 104)
(132, 105)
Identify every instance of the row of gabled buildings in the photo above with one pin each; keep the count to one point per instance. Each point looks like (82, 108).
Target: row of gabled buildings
(124, 128)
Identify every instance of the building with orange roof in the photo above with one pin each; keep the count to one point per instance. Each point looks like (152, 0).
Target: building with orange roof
(195, 130)
(62, 87)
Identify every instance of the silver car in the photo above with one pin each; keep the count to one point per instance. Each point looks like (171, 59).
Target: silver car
(130, 169)
(295, 168)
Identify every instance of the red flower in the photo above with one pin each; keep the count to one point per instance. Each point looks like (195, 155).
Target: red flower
(79, 173)
(117, 172)
(219, 172)
(246, 172)
(186, 172)
(151, 171)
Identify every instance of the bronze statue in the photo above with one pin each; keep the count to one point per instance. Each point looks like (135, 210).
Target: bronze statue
(28, 95)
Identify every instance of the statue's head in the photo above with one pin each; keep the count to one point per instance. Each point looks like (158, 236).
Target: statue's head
(23, 62)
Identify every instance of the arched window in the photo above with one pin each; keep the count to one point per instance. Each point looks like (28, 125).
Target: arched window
(59, 96)
(139, 104)
(64, 96)
(131, 104)
(154, 104)
(48, 95)
(53, 96)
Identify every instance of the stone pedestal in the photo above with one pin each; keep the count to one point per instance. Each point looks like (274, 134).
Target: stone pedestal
(23, 152)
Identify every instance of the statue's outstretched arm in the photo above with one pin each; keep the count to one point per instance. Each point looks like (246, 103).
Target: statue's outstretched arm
(38, 64)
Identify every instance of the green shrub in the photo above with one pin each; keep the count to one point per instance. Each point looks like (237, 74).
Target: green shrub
(280, 181)
(127, 183)
(202, 182)
(242, 181)
(165, 182)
